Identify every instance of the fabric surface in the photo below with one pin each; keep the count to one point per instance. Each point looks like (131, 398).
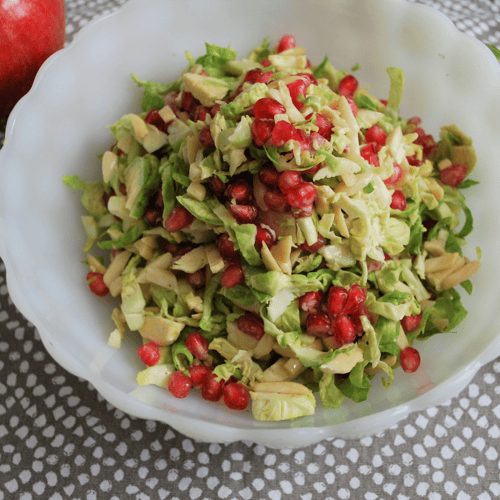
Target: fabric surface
(59, 439)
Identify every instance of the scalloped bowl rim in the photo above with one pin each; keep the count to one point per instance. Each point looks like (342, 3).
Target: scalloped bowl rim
(214, 431)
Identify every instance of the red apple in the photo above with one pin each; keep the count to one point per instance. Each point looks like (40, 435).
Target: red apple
(30, 31)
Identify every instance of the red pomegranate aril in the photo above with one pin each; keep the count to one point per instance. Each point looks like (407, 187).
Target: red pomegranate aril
(251, 324)
(289, 179)
(286, 42)
(324, 125)
(264, 235)
(347, 85)
(375, 134)
(318, 324)
(179, 218)
(310, 301)
(197, 345)
(411, 322)
(262, 130)
(236, 396)
(153, 216)
(212, 389)
(95, 281)
(265, 62)
(267, 107)
(337, 298)
(453, 175)
(302, 138)
(299, 213)
(302, 195)
(369, 155)
(356, 318)
(308, 78)
(410, 359)
(415, 120)
(232, 276)
(205, 137)
(244, 214)
(355, 297)
(395, 177)
(398, 201)
(239, 192)
(154, 118)
(197, 279)
(275, 200)
(180, 385)
(216, 185)
(297, 91)
(414, 161)
(214, 109)
(320, 243)
(344, 331)
(282, 132)
(269, 176)
(200, 113)
(199, 373)
(258, 76)
(226, 248)
(149, 354)
(188, 101)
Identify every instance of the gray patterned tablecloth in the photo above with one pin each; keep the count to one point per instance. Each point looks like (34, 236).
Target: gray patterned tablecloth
(59, 439)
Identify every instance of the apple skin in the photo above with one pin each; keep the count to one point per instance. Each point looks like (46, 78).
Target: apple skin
(30, 32)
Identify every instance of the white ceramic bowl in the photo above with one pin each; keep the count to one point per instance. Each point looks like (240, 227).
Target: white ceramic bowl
(60, 127)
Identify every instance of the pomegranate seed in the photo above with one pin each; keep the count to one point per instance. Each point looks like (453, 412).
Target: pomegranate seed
(236, 396)
(309, 78)
(375, 134)
(149, 354)
(258, 76)
(298, 89)
(302, 195)
(267, 107)
(264, 235)
(396, 176)
(337, 298)
(200, 113)
(356, 319)
(398, 200)
(179, 384)
(413, 161)
(298, 213)
(269, 176)
(266, 62)
(369, 155)
(197, 279)
(212, 389)
(188, 101)
(318, 324)
(320, 243)
(355, 297)
(453, 175)
(289, 179)
(347, 85)
(324, 125)
(275, 200)
(179, 218)
(123, 189)
(239, 192)
(153, 216)
(310, 301)
(282, 133)
(251, 324)
(262, 130)
(415, 120)
(216, 185)
(205, 137)
(199, 374)
(411, 323)
(226, 248)
(197, 345)
(95, 281)
(344, 331)
(302, 138)
(244, 214)
(352, 105)
(232, 276)
(154, 118)
(410, 359)
(286, 42)
(214, 109)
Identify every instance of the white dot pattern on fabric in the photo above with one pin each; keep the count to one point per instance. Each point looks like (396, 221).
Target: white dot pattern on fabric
(60, 439)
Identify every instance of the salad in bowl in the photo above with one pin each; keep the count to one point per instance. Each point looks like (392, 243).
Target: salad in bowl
(276, 235)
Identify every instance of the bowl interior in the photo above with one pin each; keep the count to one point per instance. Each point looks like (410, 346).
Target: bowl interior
(61, 127)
